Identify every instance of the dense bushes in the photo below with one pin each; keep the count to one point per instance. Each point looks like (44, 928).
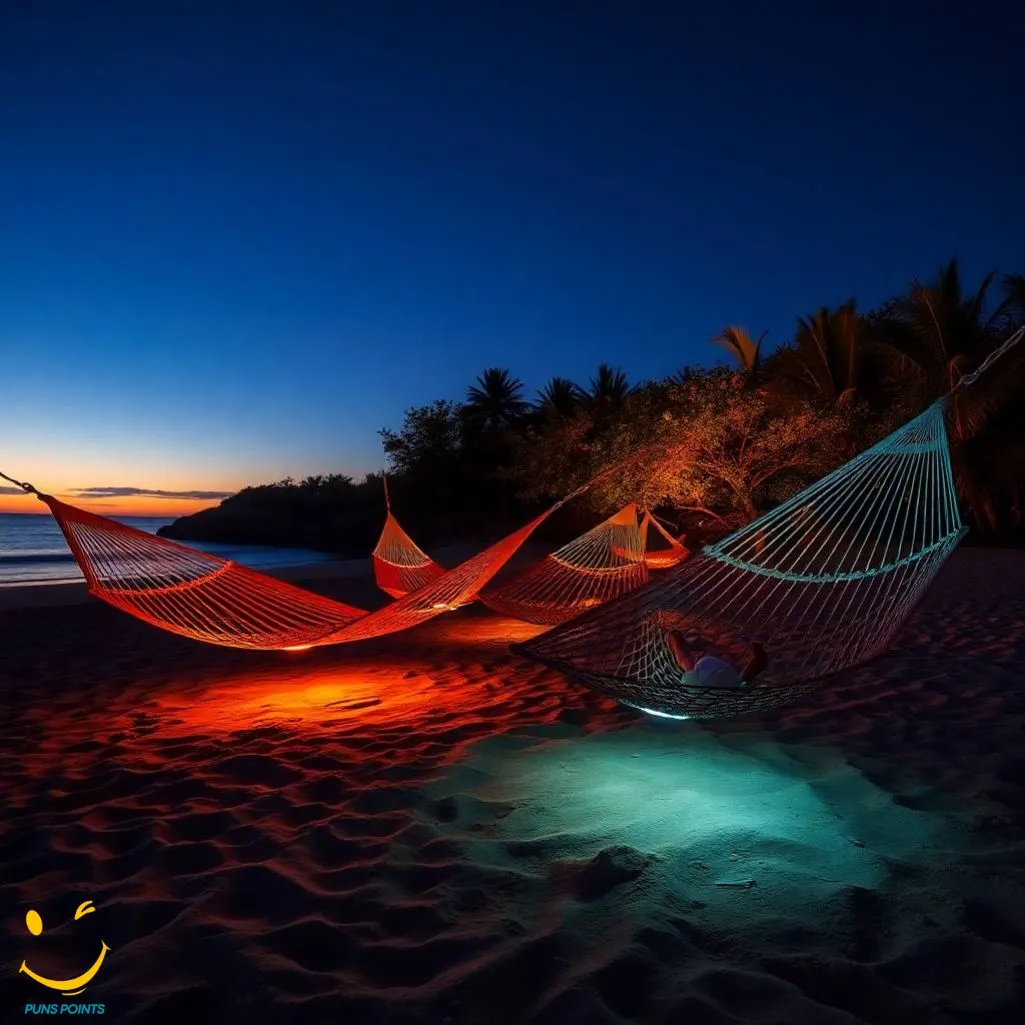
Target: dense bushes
(708, 449)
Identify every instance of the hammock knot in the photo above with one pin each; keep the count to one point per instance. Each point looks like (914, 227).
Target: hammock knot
(1009, 343)
(29, 489)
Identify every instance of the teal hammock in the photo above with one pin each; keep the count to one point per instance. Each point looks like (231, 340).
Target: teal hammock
(822, 582)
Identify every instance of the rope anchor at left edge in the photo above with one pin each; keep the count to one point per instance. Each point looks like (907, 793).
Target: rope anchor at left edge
(29, 489)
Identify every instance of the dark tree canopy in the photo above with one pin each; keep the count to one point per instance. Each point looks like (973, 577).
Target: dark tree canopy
(710, 448)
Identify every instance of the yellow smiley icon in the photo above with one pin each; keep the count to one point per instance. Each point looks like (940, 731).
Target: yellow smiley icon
(69, 987)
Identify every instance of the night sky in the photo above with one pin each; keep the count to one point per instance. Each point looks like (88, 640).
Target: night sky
(238, 239)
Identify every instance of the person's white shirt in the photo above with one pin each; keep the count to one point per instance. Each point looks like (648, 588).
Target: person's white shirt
(710, 671)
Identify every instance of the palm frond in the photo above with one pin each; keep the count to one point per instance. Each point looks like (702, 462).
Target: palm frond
(741, 346)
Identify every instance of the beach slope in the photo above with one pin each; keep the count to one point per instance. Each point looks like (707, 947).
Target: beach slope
(427, 828)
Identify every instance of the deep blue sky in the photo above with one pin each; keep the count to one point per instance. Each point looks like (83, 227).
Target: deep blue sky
(238, 239)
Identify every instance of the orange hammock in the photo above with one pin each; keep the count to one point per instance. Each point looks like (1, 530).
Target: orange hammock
(600, 565)
(400, 565)
(210, 599)
(609, 560)
(662, 558)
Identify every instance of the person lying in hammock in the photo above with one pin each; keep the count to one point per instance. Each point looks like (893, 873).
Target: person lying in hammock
(709, 671)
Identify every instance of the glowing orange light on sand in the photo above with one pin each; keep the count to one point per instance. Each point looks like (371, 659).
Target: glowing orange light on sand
(402, 691)
(326, 699)
(484, 631)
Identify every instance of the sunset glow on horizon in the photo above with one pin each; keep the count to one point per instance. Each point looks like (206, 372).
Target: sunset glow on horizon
(132, 505)
(241, 247)
(146, 477)
(133, 483)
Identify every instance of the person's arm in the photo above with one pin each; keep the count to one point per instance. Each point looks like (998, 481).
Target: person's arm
(681, 653)
(758, 663)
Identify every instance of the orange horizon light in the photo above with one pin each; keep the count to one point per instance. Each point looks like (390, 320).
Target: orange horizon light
(162, 508)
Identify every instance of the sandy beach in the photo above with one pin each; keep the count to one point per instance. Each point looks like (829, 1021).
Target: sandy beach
(427, 828)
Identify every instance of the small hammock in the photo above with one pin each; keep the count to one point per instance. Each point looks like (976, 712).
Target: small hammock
(600, 565)
(609, 560)
(207, 598)
(822, 582)
(400, 565)
(666, 557)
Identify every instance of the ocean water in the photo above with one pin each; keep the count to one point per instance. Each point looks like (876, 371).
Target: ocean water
(33, 550)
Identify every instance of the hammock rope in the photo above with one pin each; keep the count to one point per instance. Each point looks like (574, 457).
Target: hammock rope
(29, 489)
(822, 582)
(600, 565)
(609, 560)
(661, 558)
(567, 579)
(193, 593)
(206, 598)
(400, 565)
(968, 379)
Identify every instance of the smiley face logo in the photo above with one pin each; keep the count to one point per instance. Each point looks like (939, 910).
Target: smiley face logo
(69, 987)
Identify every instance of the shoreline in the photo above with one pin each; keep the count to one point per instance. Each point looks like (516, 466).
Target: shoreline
(321, 575)
(44, 594)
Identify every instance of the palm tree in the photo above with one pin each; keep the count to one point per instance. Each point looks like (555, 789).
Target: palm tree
(1014, 291)
(682, 376)
(996, 456)
(832, 360)
(945, 333)
(495, 399)
(559, 397)
(742, 347)
(609, 389)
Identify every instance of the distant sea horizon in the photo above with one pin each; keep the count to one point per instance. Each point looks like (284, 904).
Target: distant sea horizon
(33, 550)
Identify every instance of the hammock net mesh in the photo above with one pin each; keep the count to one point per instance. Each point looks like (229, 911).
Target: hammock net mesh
(609, 560)
(207, 598)
(670, 552)
(400, 565)
(600, 565)
(822, 582)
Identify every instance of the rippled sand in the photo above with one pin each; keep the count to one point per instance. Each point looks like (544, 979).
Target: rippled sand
(426, 828)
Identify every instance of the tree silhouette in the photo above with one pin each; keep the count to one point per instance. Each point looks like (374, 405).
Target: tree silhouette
(1014, 291)
(742, 439)
(560, 396)
(428, 439)
(609, 389)
(494, 400)
(945, 332)
(832, 361)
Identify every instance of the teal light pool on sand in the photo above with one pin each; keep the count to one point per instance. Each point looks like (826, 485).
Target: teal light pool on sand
(707, 816)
